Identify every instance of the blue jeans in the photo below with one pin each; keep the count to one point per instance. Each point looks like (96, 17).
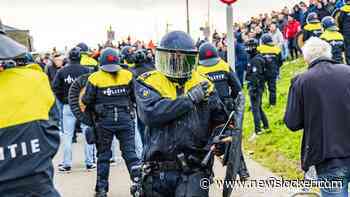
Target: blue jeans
(59, 107)
(69, 121)
(336, 174)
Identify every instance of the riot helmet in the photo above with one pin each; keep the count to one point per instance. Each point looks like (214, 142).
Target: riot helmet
(176, 56)
(110, 60)
(208, 54)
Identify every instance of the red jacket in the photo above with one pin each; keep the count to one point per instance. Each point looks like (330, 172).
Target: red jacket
(291, 29)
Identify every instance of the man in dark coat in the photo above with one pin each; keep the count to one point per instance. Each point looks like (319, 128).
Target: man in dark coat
(318, 103)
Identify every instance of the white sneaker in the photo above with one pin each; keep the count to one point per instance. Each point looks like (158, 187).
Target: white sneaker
(253, 137)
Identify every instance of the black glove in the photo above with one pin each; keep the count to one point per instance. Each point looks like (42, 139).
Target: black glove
(136, 187)
(199, 93)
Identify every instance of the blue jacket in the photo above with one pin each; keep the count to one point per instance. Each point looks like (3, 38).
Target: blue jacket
(241, 57)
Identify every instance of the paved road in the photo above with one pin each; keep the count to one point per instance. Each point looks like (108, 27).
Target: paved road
(80, 183)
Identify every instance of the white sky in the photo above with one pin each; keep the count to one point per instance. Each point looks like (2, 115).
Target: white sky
(63, 23)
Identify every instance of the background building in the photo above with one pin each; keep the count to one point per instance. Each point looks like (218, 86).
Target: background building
(21, 36)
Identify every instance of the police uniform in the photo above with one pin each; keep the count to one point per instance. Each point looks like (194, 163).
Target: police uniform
(312, 30)
(141, 66)
(225, 81)
(179, 123)
(273, 60)
(336, 40)
(110, 96)
(344, 28)
(26, 136)
(255, 78)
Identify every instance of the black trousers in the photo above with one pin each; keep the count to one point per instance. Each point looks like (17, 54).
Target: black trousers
(124, 131)
(272, 87)
(40, 185)
(176, 184)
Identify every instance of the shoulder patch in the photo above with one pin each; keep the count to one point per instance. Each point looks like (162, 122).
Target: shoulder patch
(145, 75)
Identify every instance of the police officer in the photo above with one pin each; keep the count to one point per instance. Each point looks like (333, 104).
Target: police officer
(344, 27)
(313, 28)
(142, 63)
(334, 38)
(256, 78)
(85, 56)
(272, 56)
(109, 94)
(225, 81)
(128, 56)
(180, 109)
(28, 140)
(61, 84)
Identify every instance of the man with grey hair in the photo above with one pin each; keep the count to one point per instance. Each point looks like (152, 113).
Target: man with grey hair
(319, 103)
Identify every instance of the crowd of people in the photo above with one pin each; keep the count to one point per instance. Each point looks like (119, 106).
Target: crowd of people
(170, 113)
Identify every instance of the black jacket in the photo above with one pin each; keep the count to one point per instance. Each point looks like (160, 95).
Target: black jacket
(64, 79)
(344, 21)
(225, 81)
(51, 72)
(255, 73)
(173, 123)
(318, 102)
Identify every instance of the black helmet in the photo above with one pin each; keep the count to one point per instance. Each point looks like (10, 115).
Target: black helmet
(266, 39)
(208, 54)
(110, 60)
(74, 54)
(252, 45)
(127, 55)
(140, 56)
(176, 56)
(312, 18)
(83, 47)
(328, 22)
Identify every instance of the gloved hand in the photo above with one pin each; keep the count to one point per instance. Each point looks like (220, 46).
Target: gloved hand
(136, 187)
(199, 93)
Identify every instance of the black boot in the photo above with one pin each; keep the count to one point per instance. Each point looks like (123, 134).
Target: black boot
(101, 193)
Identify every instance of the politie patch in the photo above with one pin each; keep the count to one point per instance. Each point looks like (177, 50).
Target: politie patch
(144, 92)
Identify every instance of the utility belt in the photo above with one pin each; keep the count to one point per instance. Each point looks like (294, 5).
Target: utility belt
(111, 111)
(187, 165)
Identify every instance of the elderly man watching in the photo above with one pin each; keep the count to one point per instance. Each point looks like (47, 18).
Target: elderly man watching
(319, 103)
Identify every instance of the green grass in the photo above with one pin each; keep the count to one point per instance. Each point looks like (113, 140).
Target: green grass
(280, 150)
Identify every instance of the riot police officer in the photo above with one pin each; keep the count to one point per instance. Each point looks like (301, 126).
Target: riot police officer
(61, 84)
(334, 38)
(272, 56)
(313, 28)
(344, 27)
(256, 78)
(109, 94)
(128, 56)
(142, 63)
(28, 140)
(180, 109)
(225, 81)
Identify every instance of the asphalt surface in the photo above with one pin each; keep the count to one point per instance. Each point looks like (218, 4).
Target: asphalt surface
(81, 183)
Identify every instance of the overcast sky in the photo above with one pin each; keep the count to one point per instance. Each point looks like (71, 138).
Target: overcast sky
(63, 23)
